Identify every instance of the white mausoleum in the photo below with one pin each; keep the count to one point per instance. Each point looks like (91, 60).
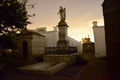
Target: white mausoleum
(51, 38)
(99, 37)
(30, 44)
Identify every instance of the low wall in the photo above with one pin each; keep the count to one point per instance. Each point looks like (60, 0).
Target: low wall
(53, 59)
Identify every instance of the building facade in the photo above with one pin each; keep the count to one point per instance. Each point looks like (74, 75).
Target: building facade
(111, 12)
(30, 44)
(99, 37)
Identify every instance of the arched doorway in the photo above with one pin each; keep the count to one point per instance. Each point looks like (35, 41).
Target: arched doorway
(25, 49)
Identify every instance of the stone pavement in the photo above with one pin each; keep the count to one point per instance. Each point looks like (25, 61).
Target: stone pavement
(94, 70)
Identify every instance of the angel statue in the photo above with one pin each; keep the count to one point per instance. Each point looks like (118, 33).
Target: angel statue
(62, 12)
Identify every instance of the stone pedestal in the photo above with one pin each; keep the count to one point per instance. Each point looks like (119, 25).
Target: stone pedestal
(62, 44)
(62, 47)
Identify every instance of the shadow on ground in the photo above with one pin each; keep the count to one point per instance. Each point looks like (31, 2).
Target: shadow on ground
(94, 70)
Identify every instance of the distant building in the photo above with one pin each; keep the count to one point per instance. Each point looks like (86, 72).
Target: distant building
(87, 45)
(99, 37)
(51, 38)
(75, 43)
(111, 12)
(86, 40)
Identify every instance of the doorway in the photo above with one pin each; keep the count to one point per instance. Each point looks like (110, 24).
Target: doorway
(25, 49)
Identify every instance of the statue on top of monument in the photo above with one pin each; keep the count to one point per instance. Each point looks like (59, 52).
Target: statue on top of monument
(62, 12)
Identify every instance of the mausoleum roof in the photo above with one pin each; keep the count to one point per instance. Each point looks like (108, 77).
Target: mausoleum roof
(30, 32)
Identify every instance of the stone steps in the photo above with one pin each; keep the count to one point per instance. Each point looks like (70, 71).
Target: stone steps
(43, 68)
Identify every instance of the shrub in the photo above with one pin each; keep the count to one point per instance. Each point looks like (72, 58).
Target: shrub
(80, 60)
(39, 58)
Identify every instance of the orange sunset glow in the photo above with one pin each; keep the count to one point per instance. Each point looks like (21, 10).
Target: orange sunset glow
(80, 15)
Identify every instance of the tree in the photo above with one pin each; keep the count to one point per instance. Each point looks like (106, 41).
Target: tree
(13, 16)
(8, 41)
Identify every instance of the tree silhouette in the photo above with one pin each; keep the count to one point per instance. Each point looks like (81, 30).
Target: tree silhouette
(8, 41)
(13, 16)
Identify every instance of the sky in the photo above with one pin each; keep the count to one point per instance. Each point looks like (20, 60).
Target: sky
(79, 15)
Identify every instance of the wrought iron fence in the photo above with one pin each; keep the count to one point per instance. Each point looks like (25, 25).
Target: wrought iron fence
(53, 50)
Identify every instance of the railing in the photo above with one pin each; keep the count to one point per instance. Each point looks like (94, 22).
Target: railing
(54, 50)
(50, 50)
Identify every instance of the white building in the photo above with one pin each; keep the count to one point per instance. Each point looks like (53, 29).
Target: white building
(75, 43)
(99, 37)
(52, 37)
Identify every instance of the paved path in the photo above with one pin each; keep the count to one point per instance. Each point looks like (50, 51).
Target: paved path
(94, 70)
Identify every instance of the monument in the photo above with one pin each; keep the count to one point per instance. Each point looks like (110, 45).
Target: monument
(62, 44)
(55, 62)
